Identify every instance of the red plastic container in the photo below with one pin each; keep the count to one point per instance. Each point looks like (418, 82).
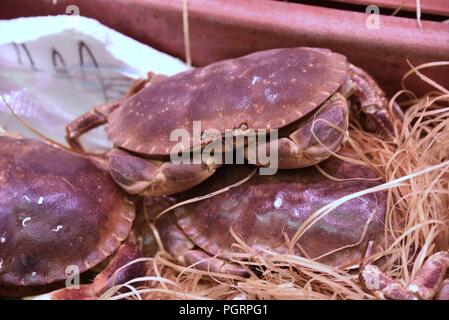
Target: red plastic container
(222, 29)
(437, 7)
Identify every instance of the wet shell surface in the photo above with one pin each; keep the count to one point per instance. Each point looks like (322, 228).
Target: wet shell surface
(267, 209)
(58, 212)
(266, 89)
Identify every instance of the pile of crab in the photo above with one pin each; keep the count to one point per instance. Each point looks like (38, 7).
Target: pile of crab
(332, 220)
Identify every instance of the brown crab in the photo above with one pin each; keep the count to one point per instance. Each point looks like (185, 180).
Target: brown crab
(60, 212)
(266, 211)
(293, 90)
(429, 283)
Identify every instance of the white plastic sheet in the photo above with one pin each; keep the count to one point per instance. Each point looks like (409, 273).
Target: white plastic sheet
(53, 69)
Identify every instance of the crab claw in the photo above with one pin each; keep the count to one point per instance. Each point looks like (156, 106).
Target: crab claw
(383, 287)
(443, 294)
(428, 283)
(116, 272)
(376, 116)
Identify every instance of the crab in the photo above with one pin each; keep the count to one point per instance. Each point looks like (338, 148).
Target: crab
(266, 212)
(61, 214)
(429, 283)
(303, 93)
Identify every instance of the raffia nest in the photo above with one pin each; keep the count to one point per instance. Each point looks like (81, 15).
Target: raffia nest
(415, 169)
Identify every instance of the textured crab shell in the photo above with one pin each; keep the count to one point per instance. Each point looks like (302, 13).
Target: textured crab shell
(265, 209)
(58, 210)
(266, 89)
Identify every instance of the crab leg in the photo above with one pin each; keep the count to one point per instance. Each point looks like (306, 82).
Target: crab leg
(204, 261)
(114, 274)
(142, 83)
(429, 278)
(372, 100)
(313, 141)
(427, 284)
(88, 121)
(99, 114)
(180, 247)
(383, 287)
(443, 293)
